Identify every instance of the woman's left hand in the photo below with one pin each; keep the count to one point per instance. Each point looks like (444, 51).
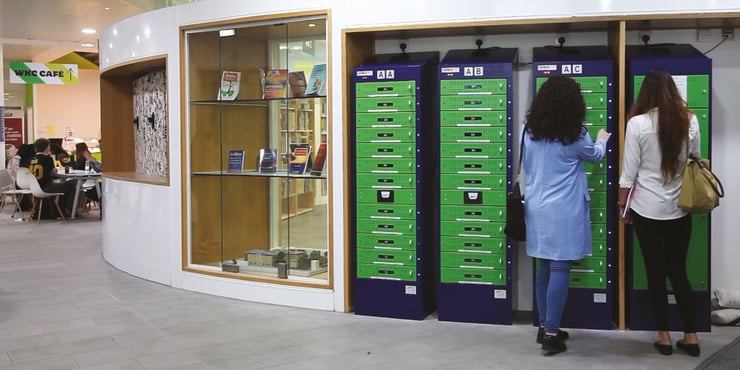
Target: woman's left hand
(603, 134)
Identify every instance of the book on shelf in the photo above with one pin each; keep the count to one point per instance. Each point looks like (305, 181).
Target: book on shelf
(318, 163)
(230, 81)
(268, 160)
(235, 161)
(275, 83)
(317, 81)
(300, 158)
(297, 84)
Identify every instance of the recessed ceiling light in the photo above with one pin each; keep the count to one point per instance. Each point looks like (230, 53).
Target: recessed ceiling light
(226, 32)
(107, 8)
(88, 31)
(311, 25)
(87, 44)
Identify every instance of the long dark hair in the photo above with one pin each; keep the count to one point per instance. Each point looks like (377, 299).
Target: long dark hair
(557, 111)
(659, 91)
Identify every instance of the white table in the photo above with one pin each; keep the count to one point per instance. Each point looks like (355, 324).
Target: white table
(81, 176)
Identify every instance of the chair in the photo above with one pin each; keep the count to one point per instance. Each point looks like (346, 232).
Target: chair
(7, 188)
(27, 180)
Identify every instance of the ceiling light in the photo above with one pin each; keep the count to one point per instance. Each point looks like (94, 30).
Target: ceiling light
(311, 25)
(87, 44)
(107, 8)
(227, 32)
(88, 31)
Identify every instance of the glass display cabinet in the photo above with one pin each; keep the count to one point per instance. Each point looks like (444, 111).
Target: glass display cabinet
(256, 194)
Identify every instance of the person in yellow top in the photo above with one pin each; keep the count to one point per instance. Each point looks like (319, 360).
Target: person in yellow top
(42, 167)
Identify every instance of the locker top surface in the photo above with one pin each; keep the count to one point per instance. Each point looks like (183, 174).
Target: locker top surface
(678, 59)
(487, 55)
(660, 51)
(409, 59)
(570, 53)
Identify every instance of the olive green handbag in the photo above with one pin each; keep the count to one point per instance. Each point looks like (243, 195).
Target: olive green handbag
(701, 189)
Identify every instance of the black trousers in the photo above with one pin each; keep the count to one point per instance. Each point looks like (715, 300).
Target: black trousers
(68, 188)
(664, 245)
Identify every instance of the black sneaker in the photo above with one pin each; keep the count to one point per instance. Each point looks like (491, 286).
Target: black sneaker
(563, 335)
(552, 344)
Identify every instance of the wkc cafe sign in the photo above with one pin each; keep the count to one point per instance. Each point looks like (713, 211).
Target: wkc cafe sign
(43, 73)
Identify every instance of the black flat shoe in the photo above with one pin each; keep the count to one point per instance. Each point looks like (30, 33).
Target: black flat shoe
(552, 344)
(563, 335)
(664, 349)
(690, 348)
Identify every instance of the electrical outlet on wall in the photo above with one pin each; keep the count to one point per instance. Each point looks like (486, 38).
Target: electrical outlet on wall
(728, 34)
(703, 34)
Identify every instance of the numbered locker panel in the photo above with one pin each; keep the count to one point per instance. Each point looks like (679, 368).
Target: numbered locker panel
(393, 260)
(692, 73)
(475, 112)
(592, 293)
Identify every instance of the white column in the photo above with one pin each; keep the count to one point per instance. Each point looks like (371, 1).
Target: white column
(2, 103)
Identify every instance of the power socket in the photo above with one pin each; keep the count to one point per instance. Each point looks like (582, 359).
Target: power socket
(728, 34)
(703, 34)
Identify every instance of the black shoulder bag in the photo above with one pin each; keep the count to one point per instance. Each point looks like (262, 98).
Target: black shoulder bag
(515, 226)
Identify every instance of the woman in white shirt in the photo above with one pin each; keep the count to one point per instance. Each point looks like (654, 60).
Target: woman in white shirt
(660, 134)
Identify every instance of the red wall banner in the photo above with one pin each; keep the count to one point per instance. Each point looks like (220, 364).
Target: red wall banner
(14, 131)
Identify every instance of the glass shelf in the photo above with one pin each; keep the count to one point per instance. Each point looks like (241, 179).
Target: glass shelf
(255, 101)
(281, 174)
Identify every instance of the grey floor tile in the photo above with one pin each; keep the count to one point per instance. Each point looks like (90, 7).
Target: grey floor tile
(171, 360)
(57, 363)
(62, 349)
(23, 329)
(32, 341)
(123, 365)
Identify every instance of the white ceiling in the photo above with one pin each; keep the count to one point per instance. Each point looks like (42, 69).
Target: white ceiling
(43, 30)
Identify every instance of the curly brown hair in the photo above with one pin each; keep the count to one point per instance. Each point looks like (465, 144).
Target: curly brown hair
(659, 91)
(557, 112)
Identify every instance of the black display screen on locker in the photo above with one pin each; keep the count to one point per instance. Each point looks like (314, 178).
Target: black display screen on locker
(394, 126)
(591, 298)
(475, 113)
(692, 72)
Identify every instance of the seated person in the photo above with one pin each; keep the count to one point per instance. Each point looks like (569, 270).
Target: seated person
(25, 152)
(10, 151)
(22, 158)
(61, 155)
(82, 155)
(42, 166)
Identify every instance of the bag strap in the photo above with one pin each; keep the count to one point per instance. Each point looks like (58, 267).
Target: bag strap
(706, 172)
(521, 154)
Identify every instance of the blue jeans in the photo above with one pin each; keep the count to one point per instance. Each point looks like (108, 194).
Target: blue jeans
(551, 291)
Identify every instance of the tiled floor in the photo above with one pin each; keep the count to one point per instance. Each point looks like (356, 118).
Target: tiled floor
(63, 307)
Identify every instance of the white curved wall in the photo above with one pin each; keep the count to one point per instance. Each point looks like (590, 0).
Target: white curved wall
(145, 240)
(137, 233)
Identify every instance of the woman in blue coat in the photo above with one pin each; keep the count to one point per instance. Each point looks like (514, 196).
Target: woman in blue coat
(556, 144)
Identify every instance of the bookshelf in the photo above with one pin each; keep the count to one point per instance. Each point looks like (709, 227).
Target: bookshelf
(265, 212)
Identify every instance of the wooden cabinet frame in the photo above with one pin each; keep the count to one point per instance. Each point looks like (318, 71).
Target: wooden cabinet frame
(358, 44)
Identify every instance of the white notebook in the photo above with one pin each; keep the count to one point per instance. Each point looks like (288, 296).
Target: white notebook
(628, 202)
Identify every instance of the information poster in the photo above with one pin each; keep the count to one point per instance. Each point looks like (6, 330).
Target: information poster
(14, 131)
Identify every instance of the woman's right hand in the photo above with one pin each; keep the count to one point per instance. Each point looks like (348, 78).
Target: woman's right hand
(603, 134)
